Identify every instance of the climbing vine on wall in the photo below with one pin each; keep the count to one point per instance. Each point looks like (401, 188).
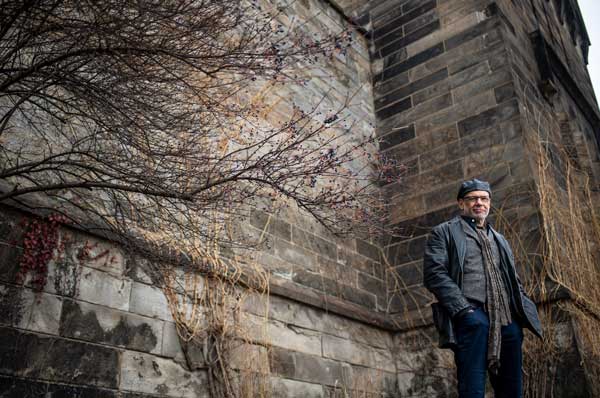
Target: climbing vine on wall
(41, 241)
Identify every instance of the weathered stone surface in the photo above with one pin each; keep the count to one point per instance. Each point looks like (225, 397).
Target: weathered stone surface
(409, 63)
(391, 110)
(334, 269)
(313, 242)
(487, 118)
(171, 345)
(283, 335)
(102, 288)
(356, 353)
(50, 358)
(294, 254)
(94, 253)
(316, 281)
(140, 269)
(149, 301)
(303, 367)
(407, 251)
(153, 375)
(103, 325)
(355, 260)
(271, 224)
(10, 251)
(40, 312)
(408, 39)
(12, 387)
(407, 18)
(408, 274)
(411, 88)
(408, 299)
(285, 388)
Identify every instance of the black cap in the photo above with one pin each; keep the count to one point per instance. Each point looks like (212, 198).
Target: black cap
(473, 185)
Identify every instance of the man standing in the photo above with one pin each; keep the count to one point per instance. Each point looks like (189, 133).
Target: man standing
(481, 308)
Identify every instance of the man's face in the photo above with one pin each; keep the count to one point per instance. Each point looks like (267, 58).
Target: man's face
(475, 204)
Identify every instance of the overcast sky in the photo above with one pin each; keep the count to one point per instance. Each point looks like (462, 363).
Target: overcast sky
(590, 9)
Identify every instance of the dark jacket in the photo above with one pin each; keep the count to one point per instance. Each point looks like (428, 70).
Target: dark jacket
(443, 273)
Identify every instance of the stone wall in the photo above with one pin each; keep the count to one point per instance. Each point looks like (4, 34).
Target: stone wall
(459, 87)
(447, 85)
(102, 328)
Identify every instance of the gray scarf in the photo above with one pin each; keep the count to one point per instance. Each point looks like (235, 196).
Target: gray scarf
(497, 303)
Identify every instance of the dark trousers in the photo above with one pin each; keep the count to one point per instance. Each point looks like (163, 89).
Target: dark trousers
(470, 356)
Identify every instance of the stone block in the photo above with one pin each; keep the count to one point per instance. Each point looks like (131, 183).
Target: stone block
(12, 387)
(408, 19)
(422, 224)
(405, 275)
(41, 312)
(55, 359)
(408, 39)
(407, 251)
(285, 388)
(397, 136)
(357, 353)
(171, 343)
(444, 117)
(409, 299)
(316, 281)
(486, 82)
(407, 208)
(357, 261)
(10, 250)
(283, 335)
(489, 54)
(275, 265)
(409, 63)
(372, 285)
(94, 253)
(453, 171)
(469, 34)
(102, 288)
(384, 11)
(310, 368)
(391, 110)
(420, 111)
(314, 243)
(461, 56)
(358, 296)
(294, 254)
(284, 310)
(153, 375)
(23, 308)
(430, 92)
(443, 197)
(411, 88)
(63, 277)
(505, 92)
(420, 21)
(99, 324)
(140, 269)
(470, 74)
(368, 249)
(271, 224)
(443, 33)
(338, 271)
(249, 357)
(282, 362)
(149, 301)
(489, 117)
